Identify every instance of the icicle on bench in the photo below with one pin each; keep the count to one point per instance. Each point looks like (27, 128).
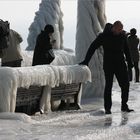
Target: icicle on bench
(30, 89)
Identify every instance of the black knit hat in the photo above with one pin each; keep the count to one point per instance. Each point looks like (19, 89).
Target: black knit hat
(49, 28)
(133, 31)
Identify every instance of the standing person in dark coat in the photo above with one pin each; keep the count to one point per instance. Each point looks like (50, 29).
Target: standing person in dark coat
(43, 46)
(114, 43)
(133, 44)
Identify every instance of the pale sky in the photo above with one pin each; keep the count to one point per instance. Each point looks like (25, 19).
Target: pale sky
(125, 10)
(21, 13)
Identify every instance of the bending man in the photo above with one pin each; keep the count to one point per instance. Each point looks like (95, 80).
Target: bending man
(115, 47)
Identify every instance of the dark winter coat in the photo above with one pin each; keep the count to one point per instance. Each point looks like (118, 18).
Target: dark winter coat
(114, 46)
(42, 46)
(133, 44)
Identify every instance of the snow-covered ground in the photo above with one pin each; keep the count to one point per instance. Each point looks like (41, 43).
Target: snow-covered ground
(89, 123)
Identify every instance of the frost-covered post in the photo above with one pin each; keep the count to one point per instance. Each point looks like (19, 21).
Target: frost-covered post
(90, 21)
(49, 13)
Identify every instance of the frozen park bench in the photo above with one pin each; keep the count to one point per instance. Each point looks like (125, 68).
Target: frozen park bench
(33, 88)
(28, 100)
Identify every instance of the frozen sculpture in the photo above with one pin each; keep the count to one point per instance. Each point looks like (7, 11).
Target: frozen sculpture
(90, 21)
(49, 13)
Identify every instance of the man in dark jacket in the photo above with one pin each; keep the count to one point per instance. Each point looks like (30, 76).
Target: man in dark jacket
(43, 46)
(114, 44)
(133, 44)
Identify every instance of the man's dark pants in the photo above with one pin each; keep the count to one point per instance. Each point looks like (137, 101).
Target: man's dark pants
(119, 69)
(136, 67)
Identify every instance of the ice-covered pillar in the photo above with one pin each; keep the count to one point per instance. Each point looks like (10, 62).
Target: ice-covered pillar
(49, 13)
(90, 21)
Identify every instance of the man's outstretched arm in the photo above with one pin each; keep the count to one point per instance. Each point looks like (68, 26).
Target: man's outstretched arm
(94, 45)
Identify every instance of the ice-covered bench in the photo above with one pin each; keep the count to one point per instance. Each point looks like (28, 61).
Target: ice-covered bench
(47, 79)
(29, 100)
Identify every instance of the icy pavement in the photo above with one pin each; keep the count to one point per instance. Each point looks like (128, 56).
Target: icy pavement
(89, 123)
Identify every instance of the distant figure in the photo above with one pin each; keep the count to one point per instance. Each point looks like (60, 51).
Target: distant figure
(43, 53)
(114, 43)
(12, 55)
(133, 44)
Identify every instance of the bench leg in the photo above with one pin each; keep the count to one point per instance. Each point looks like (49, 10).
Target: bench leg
(77, 98)
(45, 102)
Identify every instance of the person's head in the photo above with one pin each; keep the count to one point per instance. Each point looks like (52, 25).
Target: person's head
(49, 29)
(117, 27)
(133, 31)
(107, 28)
